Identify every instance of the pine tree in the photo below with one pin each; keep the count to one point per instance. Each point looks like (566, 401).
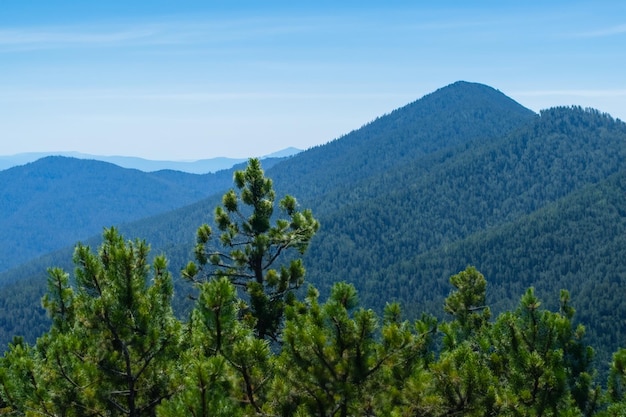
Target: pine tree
(250, 248)
(462, 378)
(225, 366)
(113, 343)
(542, 360)
(337, 361)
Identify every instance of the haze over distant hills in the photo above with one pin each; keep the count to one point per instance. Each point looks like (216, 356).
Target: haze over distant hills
(200, 166)
(55, 201)
(464, 175)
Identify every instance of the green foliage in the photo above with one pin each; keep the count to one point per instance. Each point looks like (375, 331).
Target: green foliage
(337, 361)
(616, 390)
(578, 242)
(617, 377)
(541, 207)
(225, 368)
(541, 357)
(468, 302)
(250, 246)
(113, 342)
(115, 349)
(464, 383)
(463, 176)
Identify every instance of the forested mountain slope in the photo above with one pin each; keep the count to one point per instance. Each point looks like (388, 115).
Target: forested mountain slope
(405, 242)
(453, 115)
(450, 116)
(392, 204)
(414, 209)
(576, 243)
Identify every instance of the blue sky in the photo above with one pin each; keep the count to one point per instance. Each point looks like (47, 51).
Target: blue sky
(191, 80)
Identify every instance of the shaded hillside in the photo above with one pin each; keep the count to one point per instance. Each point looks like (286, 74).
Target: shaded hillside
(56, 201)
(452, 115)
(474, 187)
(532, 209)
(171, 233)
(22, 287)
(576, 243)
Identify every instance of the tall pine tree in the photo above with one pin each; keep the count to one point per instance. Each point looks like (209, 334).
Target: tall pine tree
(253, 247)
(113, 344)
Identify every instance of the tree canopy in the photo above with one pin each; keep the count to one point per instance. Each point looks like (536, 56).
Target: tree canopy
(115, 348)
(253, 247)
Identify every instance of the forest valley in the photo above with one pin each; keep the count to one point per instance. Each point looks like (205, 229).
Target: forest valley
(259, 343)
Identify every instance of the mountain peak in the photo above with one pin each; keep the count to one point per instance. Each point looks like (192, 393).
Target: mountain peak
(453, 115)
(465, 95)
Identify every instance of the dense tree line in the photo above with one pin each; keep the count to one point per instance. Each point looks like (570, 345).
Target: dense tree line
(583, 235)
(455, 193)
(115, 347)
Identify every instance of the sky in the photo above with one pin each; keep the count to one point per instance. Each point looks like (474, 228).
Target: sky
(188, 80)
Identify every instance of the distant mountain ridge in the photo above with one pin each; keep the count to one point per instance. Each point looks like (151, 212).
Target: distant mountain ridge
(55, 201)
(201, 166)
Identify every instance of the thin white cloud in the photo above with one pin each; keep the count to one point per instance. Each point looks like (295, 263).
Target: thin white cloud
(43, 37)
(125, 95)
(157, 32)
(601, 33)
(576, 93)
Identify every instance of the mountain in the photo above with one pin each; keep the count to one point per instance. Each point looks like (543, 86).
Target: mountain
(462, 176)
(449, 195)
(201, 166)
(456, 114)
(432, 218)
(55, 201)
